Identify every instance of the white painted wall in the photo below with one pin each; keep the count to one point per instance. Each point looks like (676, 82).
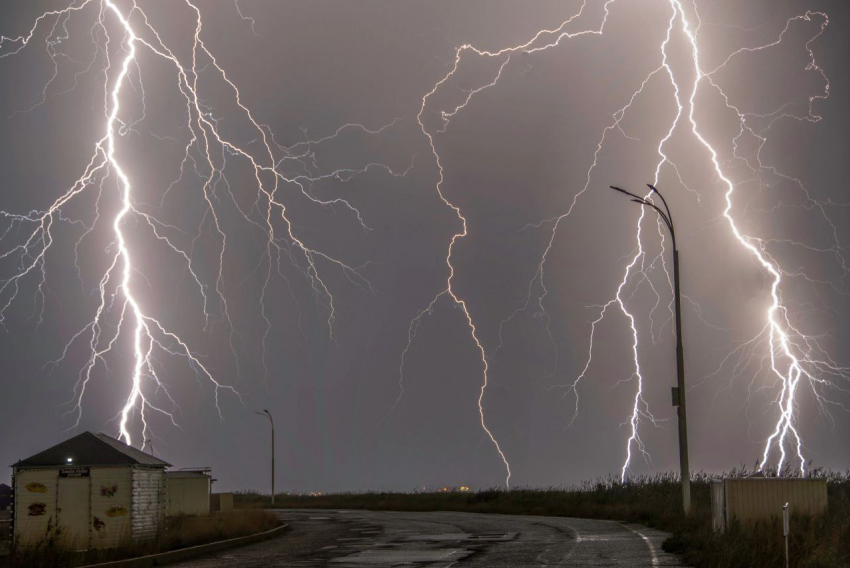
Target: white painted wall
(108, 508)
(188, 495)
(111, 506)
(35, 505)
(73, 503)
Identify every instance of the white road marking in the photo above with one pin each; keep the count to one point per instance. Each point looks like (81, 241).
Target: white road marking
(648, 543)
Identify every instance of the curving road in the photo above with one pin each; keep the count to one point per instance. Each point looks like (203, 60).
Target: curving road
(374, 538)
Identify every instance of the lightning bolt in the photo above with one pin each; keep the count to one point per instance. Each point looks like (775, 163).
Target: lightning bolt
(793, 360)
(793, 356)
(542, 40)
(207, 150)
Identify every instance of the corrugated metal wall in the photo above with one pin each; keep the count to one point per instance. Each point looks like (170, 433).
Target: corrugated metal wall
(73, 511)
(111, 505)
(718, 506)
(760, 498)
(188, 495)
(35, 505)
(221, 502)
(103, 510)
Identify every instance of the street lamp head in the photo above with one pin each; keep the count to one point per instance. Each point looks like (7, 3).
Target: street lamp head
(635, 198)
(266, 414)
(615, 188)
(665, 216)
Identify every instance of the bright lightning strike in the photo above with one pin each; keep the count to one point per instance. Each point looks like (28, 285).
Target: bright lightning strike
(125, 318)
(531, 46)
(207, 150)
(793, 356)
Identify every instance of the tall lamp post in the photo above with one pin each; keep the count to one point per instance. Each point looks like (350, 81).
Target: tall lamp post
(679, 390)
(268, 415)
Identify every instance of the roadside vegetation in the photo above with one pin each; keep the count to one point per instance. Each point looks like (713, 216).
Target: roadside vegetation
(180, 532)
(4, 532)
(654, 501)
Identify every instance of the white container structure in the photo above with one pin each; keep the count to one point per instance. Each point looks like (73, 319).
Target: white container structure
(751, 499)
(188, 492)
(221, 502)
(90, 491)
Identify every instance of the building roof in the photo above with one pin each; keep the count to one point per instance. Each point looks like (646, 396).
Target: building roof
(88, 449)
(186, 474)
(5, 489)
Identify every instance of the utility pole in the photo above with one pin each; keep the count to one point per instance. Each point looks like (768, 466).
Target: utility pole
(268, 415)
(679, 389)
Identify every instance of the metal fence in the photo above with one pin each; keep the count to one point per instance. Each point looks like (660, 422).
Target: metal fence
(751, 499)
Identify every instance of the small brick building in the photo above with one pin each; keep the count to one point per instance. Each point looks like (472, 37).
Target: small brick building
(90, 491)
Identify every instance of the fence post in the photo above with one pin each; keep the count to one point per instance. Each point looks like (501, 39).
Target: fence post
(786, 528)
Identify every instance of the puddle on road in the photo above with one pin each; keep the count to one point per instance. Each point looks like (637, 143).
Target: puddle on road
(465, 537)
(385, 557)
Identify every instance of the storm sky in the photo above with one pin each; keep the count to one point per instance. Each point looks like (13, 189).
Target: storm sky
(339, 88)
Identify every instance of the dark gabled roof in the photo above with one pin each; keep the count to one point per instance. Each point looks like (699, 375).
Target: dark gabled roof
(89, 449)
(5, 489)
(138, 455)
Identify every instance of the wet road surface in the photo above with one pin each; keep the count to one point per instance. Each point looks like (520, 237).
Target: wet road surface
(341, 539)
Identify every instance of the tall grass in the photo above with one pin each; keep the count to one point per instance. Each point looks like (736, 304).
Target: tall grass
(180, 532)
(653, 500)
(815, 542)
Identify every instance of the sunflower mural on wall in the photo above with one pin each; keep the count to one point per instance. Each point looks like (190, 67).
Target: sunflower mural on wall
(116, 512)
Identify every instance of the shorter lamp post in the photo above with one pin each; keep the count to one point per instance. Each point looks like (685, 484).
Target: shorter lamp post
(268, 415)
(679, 390)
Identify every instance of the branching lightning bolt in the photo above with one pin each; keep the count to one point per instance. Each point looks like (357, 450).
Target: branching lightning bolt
(793, 355)
(533, 45)
(148, 334)
(793, 360)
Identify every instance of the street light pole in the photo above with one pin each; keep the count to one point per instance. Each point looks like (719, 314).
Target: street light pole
(268, 415)
(679, 390)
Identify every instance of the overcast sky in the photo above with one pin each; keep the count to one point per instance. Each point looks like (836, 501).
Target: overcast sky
(514, 157)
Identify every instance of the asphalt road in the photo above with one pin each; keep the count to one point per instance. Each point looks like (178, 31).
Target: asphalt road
(369, 538)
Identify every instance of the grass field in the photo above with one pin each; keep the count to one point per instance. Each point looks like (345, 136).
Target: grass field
(653, 501)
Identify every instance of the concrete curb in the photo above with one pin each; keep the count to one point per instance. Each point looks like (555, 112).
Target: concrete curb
(191, 552)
